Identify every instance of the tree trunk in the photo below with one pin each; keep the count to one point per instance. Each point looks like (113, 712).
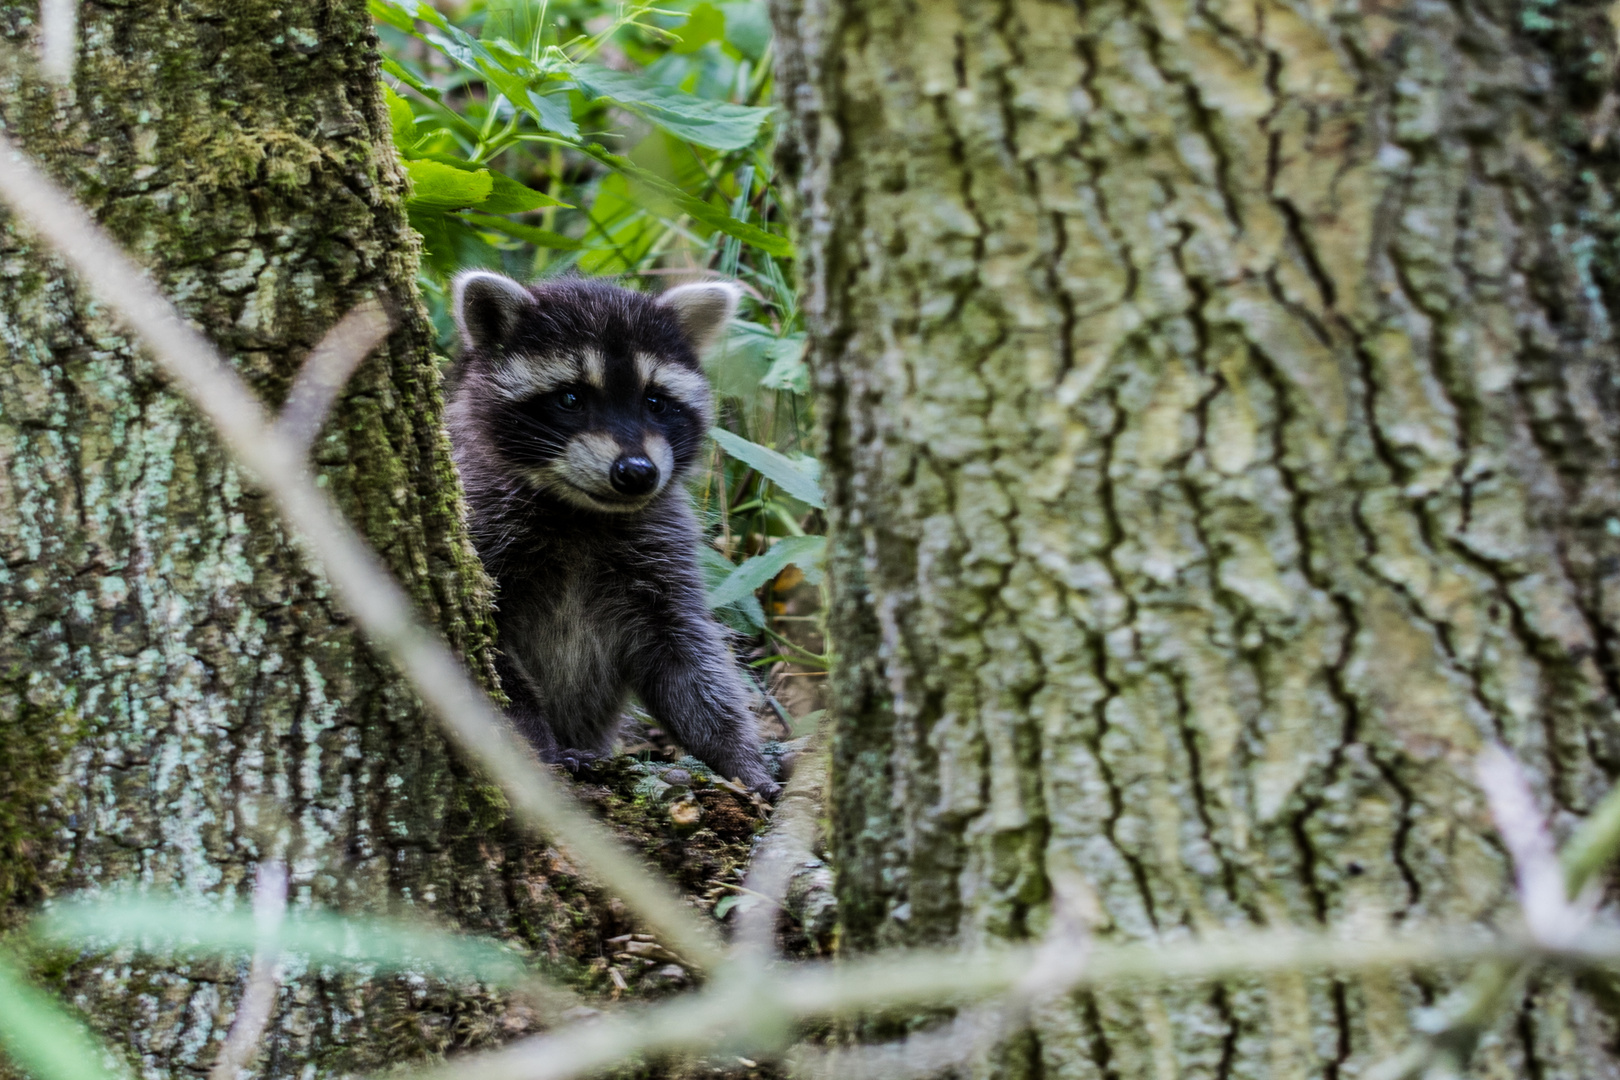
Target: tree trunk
(1220, 435)
(179, 697)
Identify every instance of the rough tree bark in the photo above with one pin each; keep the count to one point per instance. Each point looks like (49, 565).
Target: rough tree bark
(179, 698)
(1220, 433)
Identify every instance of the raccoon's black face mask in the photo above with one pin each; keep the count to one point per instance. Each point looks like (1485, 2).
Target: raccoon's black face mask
(590, 393)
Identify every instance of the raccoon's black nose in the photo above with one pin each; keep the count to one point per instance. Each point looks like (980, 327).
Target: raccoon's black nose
(633, 475)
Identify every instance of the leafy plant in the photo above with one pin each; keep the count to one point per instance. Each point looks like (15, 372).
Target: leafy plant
(629, 140)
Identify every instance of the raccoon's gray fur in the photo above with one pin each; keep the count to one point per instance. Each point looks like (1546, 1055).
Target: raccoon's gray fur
(575, 411)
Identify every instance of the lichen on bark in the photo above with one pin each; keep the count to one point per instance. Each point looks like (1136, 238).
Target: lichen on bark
(1220, 427)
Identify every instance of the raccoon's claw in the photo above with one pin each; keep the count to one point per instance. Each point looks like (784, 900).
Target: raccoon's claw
(574, 761)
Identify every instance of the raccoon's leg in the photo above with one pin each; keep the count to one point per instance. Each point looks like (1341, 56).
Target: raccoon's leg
(530, 720)
(687, 679)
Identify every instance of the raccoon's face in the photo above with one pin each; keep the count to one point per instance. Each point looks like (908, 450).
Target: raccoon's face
(590, 393)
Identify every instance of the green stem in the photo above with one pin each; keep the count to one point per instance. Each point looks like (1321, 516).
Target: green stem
(1595, 843)
(809, 657)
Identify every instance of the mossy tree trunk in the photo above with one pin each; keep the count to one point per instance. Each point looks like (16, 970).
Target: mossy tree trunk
(179, 697)
(1221, 424)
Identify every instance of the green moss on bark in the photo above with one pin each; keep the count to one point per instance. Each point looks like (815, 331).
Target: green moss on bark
(33, 745)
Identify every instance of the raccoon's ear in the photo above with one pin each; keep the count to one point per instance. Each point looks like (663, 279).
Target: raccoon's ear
(703, 309)
(487, 307)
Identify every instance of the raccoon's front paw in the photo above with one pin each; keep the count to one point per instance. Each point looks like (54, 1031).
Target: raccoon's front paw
(575, 761)
(759, 784)
(755, 776)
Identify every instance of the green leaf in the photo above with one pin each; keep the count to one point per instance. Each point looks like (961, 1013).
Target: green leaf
(452, 40)
(807, 723)
(737, 366)
(459, 164)
(748, 27)
(747, 578)
(798, 479)
(170, 924)
(788, 370)
(502, 19)
(391, 15)
(725, 904)
(707, 213)
(703, 25)
(543, 238)
(404, 75)
(435, 229)
(552, 112)
(744, 614)
(400, 118)
(507, 196)
(42, 1037)
(716, 124)
(437, 186)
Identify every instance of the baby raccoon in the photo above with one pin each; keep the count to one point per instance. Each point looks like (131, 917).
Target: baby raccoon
(574, 413)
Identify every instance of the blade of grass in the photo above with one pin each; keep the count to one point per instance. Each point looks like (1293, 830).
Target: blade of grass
(44, 1038)
(165, 923)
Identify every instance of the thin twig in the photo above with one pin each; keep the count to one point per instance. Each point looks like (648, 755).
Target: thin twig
(1543, 896)
(783, 848)
(758, 1014)
(1453, 1028)
(1594, 845)
(692, 1022)
(744, 890)
(973, 1031)
(327, 369)
(264, 976)
(920, 1054)
(367, 590)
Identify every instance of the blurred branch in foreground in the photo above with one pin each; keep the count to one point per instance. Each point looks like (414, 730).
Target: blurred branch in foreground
(264, 976)
(58, 39)
(327, 369)
(1551, 896)
(756, 1013)
(782, 849)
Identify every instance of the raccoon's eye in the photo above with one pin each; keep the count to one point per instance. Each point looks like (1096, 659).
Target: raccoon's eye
(566, 400)
(656, 404)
